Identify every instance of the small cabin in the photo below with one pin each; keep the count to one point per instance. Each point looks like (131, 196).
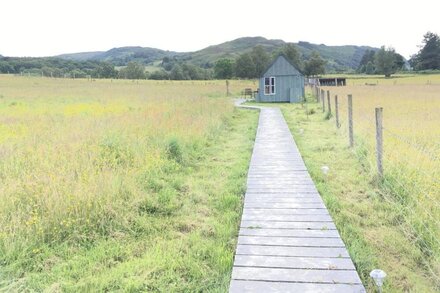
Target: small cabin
(281, 82)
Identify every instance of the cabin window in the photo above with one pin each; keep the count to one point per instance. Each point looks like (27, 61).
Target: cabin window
(269, 85)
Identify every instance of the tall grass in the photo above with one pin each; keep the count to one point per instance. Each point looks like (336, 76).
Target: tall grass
(84, 161)
(411, 153)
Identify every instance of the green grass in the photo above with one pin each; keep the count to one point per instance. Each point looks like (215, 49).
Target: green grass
(370, 227)
(183, 239)
(119, 186)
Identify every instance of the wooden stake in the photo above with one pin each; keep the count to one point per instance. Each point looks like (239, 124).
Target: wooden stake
(379, 141)
(350, 120)
(328, 103)
(337, 112)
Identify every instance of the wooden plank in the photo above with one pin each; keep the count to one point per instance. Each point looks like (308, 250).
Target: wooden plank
(282, 188)
(240, 286)
(290, 200)
(292, 262)
(284, 193)
(279, 199)
(287, 218)
(285, 211)
(288, 225)
(305, 205)
(290, 241)
(296, 275)
(276, 185)
(289, 233)
(277, 182)
(337, 252)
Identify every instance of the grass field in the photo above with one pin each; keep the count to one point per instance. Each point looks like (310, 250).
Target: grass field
(393, 223)
(396, 79)
(411, 154)
(120, 185)
(136, 186)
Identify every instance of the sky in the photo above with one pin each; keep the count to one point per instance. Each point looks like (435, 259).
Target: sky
(51, 27)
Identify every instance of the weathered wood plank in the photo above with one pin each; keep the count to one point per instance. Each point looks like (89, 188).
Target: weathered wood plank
(288, 225)
(287, 218)
(338, 252)
(240, 286)
(285, 211)
(292, 200)
(291, 262)
(304, 205)
(296, 275)
(283, 189)
(282, 193)
(279, 199)
(289, 233)
(290, 241)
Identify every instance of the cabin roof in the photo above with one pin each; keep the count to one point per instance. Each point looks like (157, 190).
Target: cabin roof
(295, 71)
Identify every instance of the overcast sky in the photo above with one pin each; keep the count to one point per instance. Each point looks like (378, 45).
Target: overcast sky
(51, 27)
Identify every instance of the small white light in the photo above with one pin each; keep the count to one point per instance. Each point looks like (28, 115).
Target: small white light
(378, 277)
(325, 169)
(301, 131)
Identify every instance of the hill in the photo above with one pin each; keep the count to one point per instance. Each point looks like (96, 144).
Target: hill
(339, 58)
(81, 56)
(121, 56)
(232, 49)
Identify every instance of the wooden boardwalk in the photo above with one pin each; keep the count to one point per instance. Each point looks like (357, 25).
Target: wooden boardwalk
(287, 240)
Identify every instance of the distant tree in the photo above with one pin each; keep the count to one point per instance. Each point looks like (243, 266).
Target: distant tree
(260, 59)
(57, 72)
(429, 55)
(159, 75)
(5, 67)
(191, 72)
(168, 63)
(244, 66)
(292, 53)
(386, 61)
(315, 65)
(224, 68)
(399, 61)
(133, 70)
(105, 70)
(78, 73)
(366, 58)
(177, 73)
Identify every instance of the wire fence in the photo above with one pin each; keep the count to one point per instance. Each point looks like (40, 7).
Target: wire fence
(404, 162)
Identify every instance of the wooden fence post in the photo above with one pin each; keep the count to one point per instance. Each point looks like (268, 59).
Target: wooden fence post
(328, 103)
(318, 92)
(323, 100)
(337, 112)
(350, 120)
(379, 141)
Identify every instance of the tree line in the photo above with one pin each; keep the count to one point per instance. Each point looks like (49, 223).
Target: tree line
(253, 63)
(247, 65)
(386, 61)
(428, 57)
(54, 67)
